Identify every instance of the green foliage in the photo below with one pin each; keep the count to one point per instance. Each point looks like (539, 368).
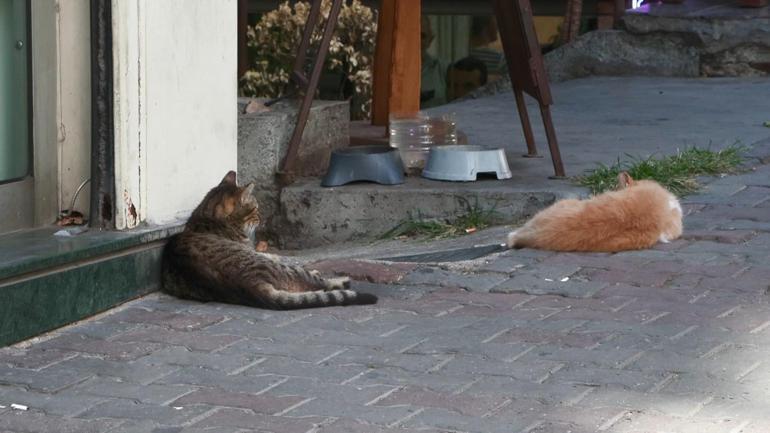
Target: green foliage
(273, 43)
(474, 217)
(677, 173)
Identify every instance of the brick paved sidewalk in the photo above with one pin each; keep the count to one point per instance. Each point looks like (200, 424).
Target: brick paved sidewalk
(674, 339)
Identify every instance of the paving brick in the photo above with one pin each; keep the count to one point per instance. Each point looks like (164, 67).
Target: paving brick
(35, 422)
(33, 358)
(213, 379)
(445, 419)
(172, 357)
(289, 367)
(635, 277)
(116, 388)
(43, 381)
(249, 420)
(201, 342)
(177, 321)
(721, 236)
(112, 350)
(144, 426)
(677, 405)
(131, 409)
(472, 282)
(462, 403)
(98, 329)
(535, 285)
(60, 404)
(355, 426)
(341, 401)
(364, 270)
(136, 372)
(655, 421)
(630, 379)
(264, 403)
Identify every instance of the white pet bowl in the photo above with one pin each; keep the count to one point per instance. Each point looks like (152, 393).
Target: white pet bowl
(463, 163)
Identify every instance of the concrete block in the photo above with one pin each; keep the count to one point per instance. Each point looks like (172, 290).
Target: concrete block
(263, 140)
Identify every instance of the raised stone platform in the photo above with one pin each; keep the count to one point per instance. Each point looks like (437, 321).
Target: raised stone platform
(314, 215)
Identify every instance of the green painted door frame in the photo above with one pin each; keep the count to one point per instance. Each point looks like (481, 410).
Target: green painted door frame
(15, 144)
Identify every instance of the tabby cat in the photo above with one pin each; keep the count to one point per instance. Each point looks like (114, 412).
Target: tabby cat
(638, 215)
(214, 259)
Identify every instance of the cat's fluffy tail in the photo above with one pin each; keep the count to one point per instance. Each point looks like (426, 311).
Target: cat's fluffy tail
(516, 240)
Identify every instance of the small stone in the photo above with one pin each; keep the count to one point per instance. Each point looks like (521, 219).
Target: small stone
(255, 107)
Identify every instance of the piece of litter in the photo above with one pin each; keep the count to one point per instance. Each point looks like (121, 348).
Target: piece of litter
(564, 279)
(470, 230)
(19, 407)
(549, 279)
(2, 407)
(178, 408)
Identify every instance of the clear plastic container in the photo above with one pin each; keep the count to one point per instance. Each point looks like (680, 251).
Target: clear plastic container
(413, 136)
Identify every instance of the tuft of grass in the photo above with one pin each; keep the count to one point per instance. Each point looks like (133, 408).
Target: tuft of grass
(416, 225)
(678, 173)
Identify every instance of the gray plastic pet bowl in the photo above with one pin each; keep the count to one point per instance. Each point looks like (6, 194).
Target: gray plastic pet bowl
(464, 162)
(380, 164)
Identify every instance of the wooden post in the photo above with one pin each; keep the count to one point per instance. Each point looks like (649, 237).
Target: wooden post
(242, 49)
(397, 61)
(406, 67)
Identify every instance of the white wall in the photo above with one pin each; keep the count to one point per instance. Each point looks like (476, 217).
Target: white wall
(176, 90)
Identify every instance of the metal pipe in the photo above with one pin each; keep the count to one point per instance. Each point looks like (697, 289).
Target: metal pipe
(102, 210)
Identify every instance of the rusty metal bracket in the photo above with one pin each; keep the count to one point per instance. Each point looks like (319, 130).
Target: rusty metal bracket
(304, 84)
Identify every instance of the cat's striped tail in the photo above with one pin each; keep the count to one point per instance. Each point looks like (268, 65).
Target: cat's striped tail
(319, 298)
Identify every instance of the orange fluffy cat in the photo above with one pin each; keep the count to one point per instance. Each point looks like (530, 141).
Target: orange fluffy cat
(636, 216)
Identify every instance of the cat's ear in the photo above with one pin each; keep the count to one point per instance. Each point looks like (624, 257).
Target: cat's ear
(246, 191)
(625, 180)
(229, 178)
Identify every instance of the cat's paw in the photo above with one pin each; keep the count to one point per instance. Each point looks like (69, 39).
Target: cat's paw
(338, 283)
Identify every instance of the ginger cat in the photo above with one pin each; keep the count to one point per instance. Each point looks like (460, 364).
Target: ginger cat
(636, 216)
(214, 259)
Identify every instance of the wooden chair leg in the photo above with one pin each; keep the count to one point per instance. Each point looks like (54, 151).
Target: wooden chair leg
(553, 145)
(526, 126)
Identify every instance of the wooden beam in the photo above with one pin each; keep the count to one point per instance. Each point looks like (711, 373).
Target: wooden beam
(243, 64)
(406, 65)
(397, 61)
(382, 58)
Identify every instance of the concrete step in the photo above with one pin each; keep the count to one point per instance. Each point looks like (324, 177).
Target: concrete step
(49, 281)
(313, 215)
